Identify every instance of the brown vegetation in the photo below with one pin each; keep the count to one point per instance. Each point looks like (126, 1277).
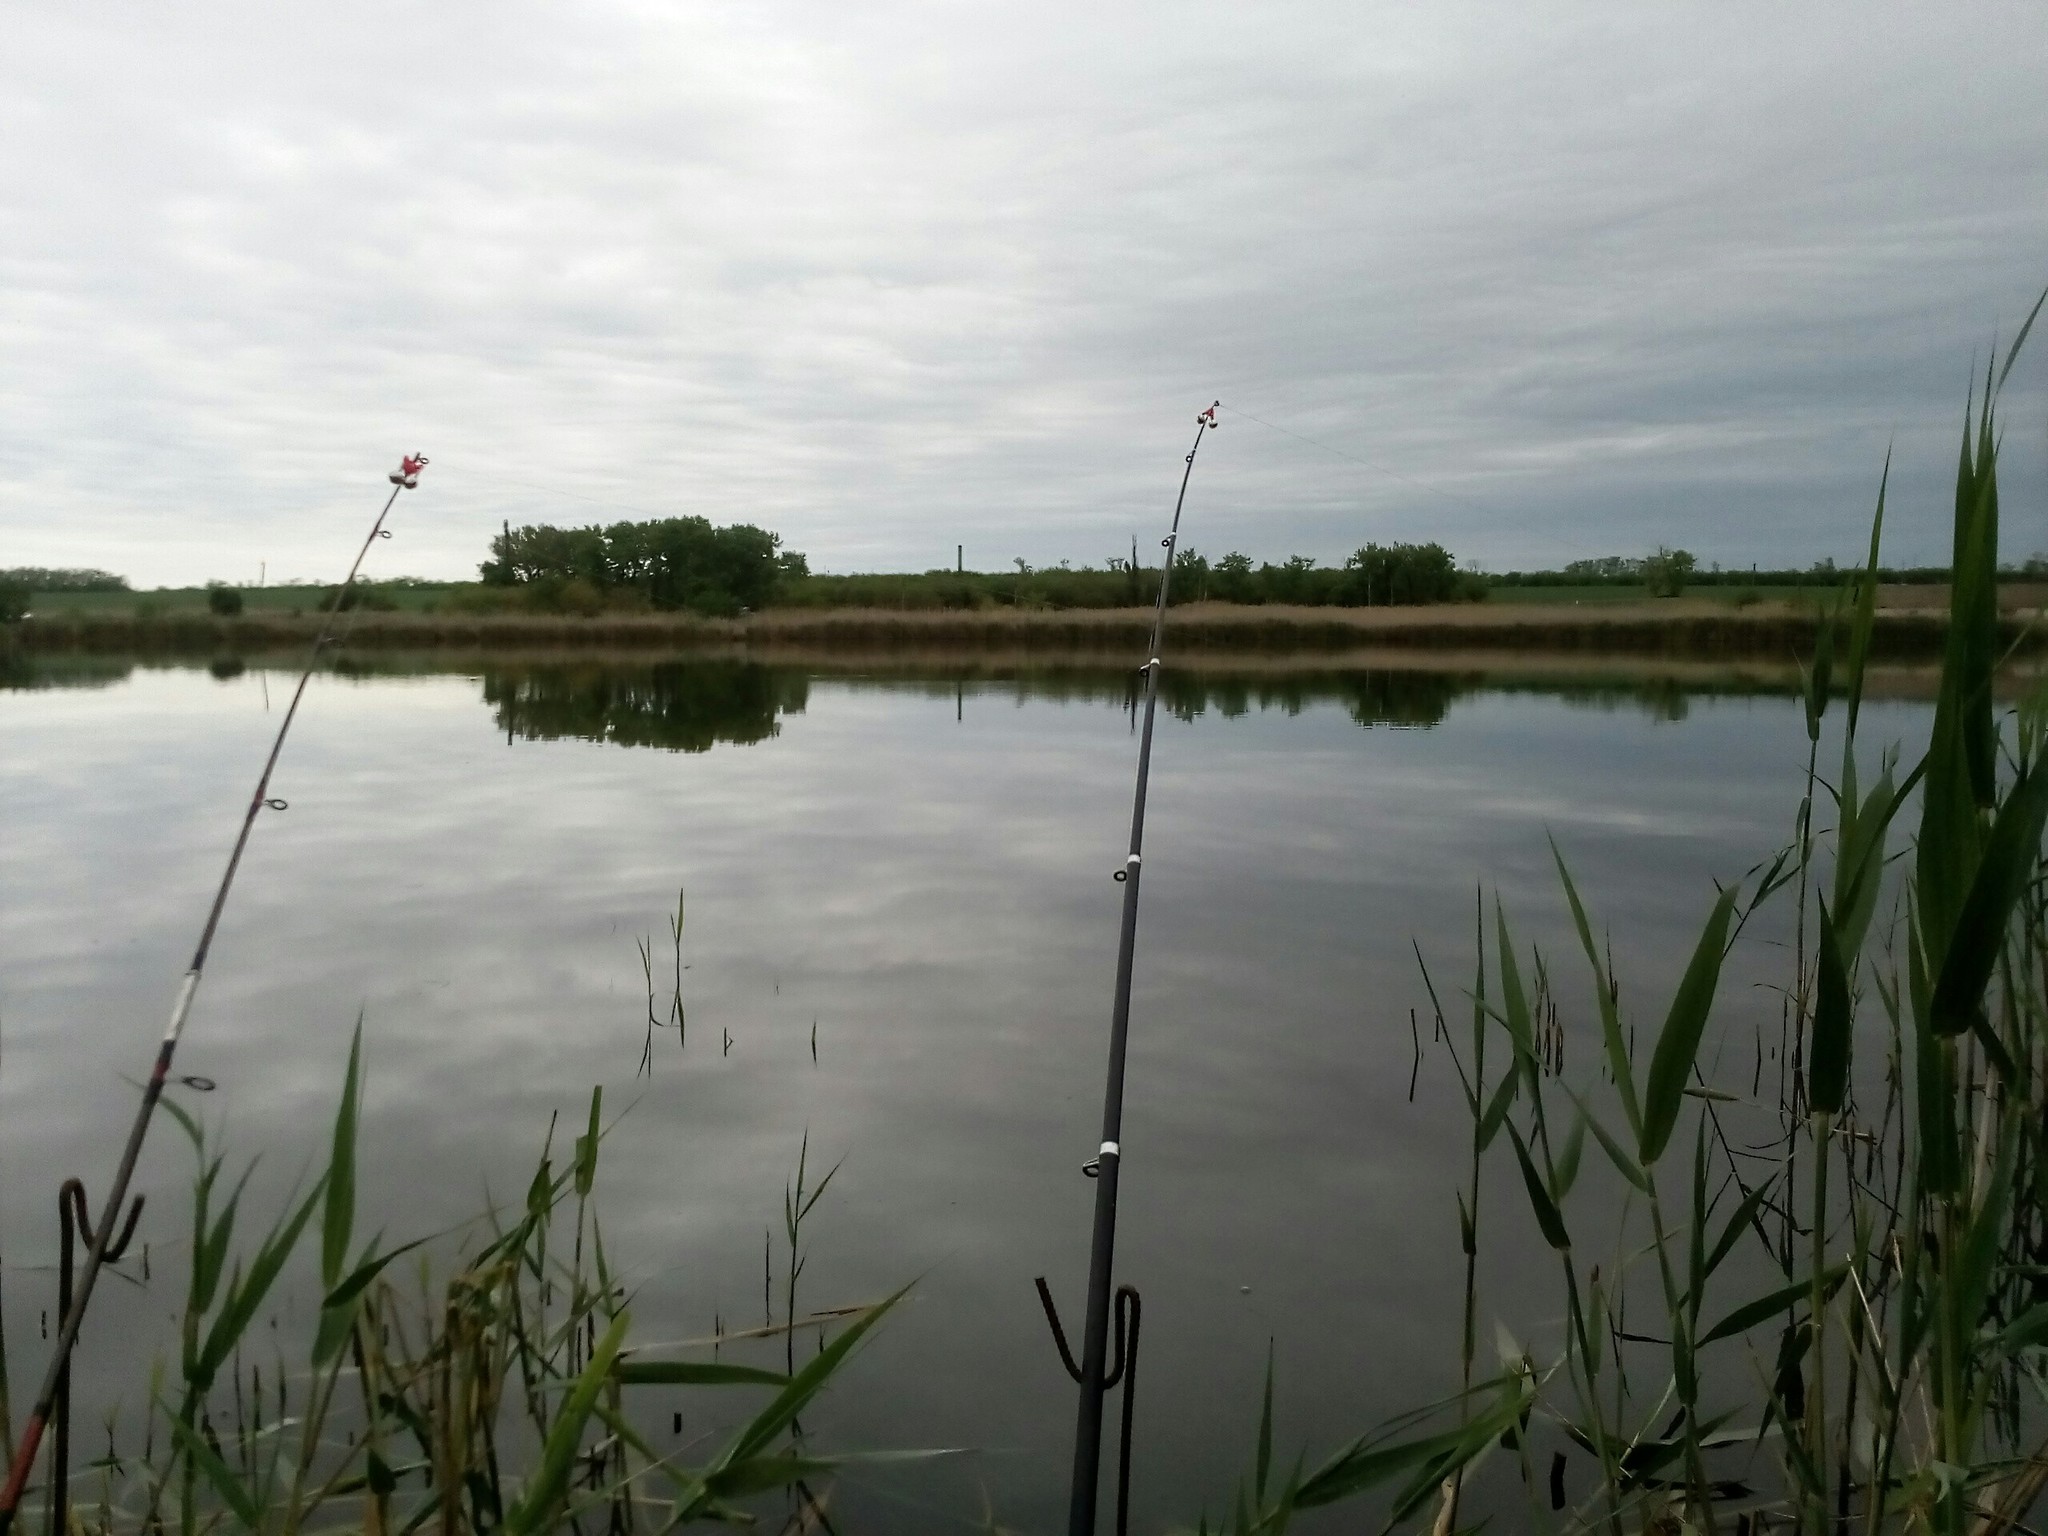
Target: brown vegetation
(1702, 629)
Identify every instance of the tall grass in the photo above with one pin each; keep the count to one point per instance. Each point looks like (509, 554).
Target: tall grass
(1815, 1304)
(1706, 629)
(497, 1391)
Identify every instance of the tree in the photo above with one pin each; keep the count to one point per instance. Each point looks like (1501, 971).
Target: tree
(1668, 570)
(222, 601)
(1404, 573)
(13, 603)
(671, 563)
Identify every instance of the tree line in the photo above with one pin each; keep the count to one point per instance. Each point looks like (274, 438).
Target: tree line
(39, 578)
(1374, 575)
(688, 563)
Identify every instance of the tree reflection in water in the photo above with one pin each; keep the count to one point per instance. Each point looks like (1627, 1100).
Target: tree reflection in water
(680, 706)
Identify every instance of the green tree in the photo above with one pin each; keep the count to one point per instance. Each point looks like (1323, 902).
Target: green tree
(1233, 581)
(13, 603)
(1382, 574)
(1668, 570)
(671, 563)
(223, 601)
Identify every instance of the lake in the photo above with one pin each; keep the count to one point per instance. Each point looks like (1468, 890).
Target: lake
(900, 937)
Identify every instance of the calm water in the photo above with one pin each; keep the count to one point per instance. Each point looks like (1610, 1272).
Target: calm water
(919, 867)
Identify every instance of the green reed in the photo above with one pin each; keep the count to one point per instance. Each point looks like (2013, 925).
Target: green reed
(1820, 1310)
(500, 1391)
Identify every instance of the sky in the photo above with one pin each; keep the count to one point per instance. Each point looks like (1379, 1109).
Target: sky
(1538, 282)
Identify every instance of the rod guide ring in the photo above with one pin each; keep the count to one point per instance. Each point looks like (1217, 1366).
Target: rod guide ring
(278, 805)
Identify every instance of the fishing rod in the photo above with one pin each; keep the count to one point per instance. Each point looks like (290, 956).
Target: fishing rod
(406, 477)
(1095, 1381)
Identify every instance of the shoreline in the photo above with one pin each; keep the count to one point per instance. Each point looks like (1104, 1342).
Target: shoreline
(1670, 630)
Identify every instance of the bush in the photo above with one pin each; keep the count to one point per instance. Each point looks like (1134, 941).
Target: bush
(13, 603)
(222, 601)
(1667, 571)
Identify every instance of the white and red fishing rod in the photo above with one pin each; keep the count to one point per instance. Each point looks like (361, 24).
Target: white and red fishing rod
(1094, 1372)
(405, 477)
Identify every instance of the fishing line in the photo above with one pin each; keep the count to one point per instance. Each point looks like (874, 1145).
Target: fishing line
(405, 477)
(1094, 1374)
(1420, 485)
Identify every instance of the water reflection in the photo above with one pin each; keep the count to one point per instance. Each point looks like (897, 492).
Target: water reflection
(691, 704)
(900, 915)
(679, 706)
(23, 671)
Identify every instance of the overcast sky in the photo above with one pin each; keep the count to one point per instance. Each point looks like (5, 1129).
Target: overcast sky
(1546, 280)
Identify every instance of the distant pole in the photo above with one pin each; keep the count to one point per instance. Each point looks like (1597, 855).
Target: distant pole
(960, 558)
(262, 572)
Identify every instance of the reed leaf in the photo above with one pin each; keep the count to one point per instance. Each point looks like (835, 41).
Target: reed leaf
(1828, 1039)
(1865, 612)
(586, 1146)
(1744, 1214)
(1564, 1173)
(1514, 1000)
(804, 1385)
(218, 1474)
(1612, 1039)
(1497, 1109)
(550, 1481)
(1373, 1459)
(1262, 1460)
(1818, 675)
(1770, 1304)
(1678, 1046)
(2011, 852)
(246, 1293)
(1548, 1217)
(338, 1221)
(1624, 1163)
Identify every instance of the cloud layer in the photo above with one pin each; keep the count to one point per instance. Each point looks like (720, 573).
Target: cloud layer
(1559, 280)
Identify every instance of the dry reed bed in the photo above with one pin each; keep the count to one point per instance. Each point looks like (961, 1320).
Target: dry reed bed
(1697, 630)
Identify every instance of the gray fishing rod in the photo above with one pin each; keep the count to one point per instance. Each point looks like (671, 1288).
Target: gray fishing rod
(1094, 1379)
(405, 477)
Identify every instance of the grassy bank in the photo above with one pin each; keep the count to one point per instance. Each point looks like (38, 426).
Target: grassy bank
(1687, 628)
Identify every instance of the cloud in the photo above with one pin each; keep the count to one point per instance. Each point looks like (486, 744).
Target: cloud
(889, 278)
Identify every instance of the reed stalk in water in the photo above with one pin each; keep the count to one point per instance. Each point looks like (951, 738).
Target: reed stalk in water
(1849, 1285)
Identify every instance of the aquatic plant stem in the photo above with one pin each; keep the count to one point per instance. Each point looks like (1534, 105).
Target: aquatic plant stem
(1095, 1334)
(117, 1192)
